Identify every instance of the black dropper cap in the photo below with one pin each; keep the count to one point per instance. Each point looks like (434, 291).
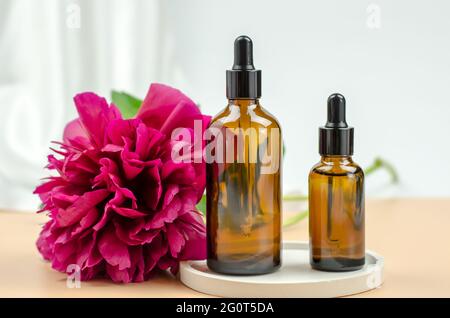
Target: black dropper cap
(243, 80)
(336, 137)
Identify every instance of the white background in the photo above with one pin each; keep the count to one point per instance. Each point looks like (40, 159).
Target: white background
(396, 77)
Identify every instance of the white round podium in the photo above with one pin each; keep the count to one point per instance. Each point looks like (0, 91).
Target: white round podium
(295, 278)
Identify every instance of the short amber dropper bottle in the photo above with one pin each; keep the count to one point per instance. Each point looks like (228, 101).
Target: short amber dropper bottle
(336, 197)
(244, 179)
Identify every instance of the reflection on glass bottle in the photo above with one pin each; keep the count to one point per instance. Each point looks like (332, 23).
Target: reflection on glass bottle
(244, 177)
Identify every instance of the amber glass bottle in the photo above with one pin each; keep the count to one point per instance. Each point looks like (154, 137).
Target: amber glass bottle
(244, 179)
(336, 197)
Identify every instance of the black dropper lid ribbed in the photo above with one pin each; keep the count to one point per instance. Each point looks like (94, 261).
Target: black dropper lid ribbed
(243, 80)
(336, 137)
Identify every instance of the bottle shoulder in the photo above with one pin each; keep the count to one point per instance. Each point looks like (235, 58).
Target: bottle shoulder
(222, 114)
(341, 168)
(270, 116)
(255, 116)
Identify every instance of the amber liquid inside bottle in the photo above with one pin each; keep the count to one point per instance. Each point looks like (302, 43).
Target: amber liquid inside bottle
(244, 192)
(336, 204)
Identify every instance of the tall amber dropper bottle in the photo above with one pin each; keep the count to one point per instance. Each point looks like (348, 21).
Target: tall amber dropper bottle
(244, 176)
(336, 197)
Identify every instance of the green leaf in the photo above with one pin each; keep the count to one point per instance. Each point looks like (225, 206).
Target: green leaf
(201, 206)
(127, 104)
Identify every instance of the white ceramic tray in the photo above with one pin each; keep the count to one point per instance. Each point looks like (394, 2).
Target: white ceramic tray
(295, 278)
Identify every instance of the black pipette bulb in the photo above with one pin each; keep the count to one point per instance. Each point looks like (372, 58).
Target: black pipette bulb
(243, 80)
(336, 137)
(243, 54)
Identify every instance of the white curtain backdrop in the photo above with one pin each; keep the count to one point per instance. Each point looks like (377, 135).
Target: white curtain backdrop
(49, 51)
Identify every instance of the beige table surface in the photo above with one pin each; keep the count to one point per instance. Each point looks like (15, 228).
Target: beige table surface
(412, 234)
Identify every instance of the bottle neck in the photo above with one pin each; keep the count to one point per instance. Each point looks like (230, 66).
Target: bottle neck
(333, 160)
(244, 103)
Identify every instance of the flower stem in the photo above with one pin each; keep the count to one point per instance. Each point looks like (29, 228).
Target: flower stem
(380, 164)
(294, 197)
(295, 219)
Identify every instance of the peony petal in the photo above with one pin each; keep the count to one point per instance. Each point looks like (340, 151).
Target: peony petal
(113, 250)
(179, 173)
(165, 215)
(118, 275)
(184, 115)
(106, 217)
(129, 213)
(167, 262)
(194, 229)
(195, 248)
(171, 192)
(80, 207)
(166, 108)
(154, 252)
(73, 130)
(137, 260)
(91, 272)
(64, 254)
(87, 221)
(151, 188)
(124, 231)
(147, 139)
(130, 170)
(84, 251)
(62, 200)
(108, 176)
(95, 258)
(161, 96)
(45, 242)
(120, 129)
(175, 239)
(112, 148)
(95, 115)
(49, 185)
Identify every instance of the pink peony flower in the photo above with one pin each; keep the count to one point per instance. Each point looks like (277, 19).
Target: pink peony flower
(119, 206)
